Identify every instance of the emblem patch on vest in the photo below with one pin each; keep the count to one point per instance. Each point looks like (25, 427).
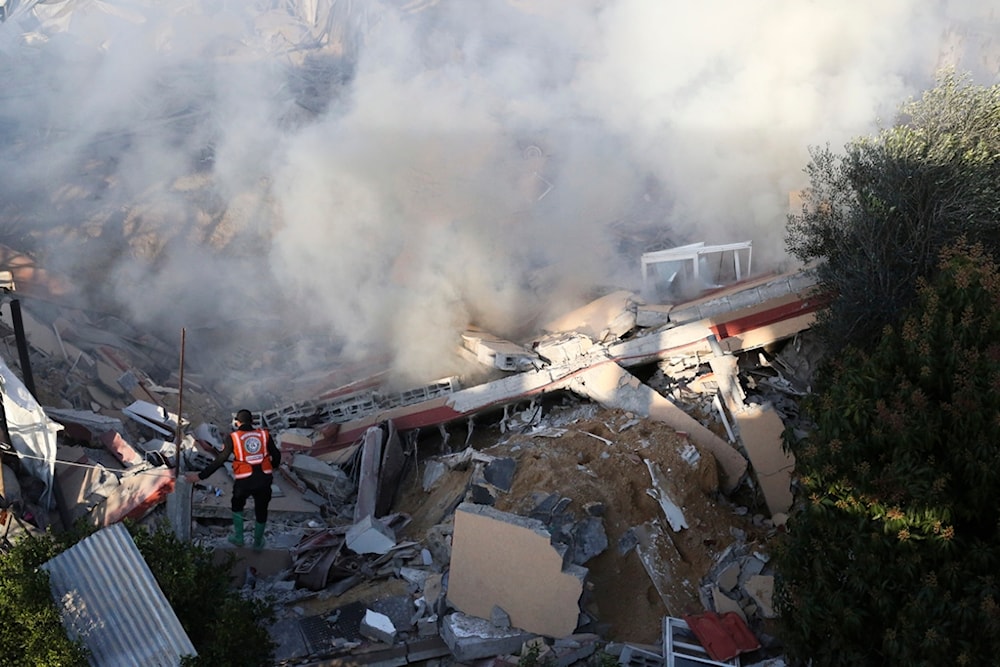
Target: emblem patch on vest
(253, 444)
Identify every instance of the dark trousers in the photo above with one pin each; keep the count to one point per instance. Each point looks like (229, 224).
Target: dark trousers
(259, 488)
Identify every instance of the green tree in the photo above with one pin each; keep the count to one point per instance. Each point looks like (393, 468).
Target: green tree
(226, 629)
(876, 217)
(31, 632)
(892, 555)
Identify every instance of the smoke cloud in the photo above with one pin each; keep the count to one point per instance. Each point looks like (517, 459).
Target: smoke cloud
(363, 180)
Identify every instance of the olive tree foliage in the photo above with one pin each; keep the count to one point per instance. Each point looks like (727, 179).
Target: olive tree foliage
(875, 217)
(225, 627)
(892, 555)
(31, 630)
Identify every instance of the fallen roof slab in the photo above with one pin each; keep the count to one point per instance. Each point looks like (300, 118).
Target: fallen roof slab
(508, 561)
(774, 319)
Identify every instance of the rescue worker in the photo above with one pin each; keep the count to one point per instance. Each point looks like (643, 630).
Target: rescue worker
(255, 457)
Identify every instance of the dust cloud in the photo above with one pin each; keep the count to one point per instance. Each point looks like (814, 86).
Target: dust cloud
(363, 179)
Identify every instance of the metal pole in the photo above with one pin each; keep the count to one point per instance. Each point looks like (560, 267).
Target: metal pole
(179, 502)
(22, 346)
(180, 408)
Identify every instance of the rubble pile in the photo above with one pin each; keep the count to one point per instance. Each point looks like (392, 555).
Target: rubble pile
(603, 486)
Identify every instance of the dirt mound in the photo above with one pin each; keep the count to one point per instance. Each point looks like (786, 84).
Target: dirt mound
(600, 460)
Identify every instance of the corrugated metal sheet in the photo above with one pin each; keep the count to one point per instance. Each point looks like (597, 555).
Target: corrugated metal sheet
(111, 601)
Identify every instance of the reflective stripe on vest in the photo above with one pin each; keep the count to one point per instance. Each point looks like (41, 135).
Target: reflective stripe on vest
(250, 449)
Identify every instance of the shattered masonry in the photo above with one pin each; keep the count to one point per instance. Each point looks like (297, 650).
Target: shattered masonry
(350, 451)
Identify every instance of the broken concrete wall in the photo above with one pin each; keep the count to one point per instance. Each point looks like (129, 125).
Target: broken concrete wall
(761, 431)
(508, 561)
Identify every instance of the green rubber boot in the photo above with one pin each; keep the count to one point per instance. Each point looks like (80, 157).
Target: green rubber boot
(258, 536)
(237, 536)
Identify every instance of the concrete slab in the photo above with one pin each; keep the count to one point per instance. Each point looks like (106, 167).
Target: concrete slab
(665, 567)
(266, 562)
(760, 588)
(506, 560)
(371, 460)
(377, 627)
(723, 603)
(471, 638)
(760, 429)
(607, 318)
(211, 499)
(613, 386)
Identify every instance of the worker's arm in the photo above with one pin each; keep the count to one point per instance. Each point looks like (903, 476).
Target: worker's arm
(220, 459)
(273, 451)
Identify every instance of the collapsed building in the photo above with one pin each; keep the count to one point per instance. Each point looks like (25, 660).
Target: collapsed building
(629, 446)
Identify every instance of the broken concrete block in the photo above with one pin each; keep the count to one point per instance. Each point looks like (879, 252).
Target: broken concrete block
(370, 536)
(573, 649)
(500, 473)
(470, 638)
(663, 563)
(723, 603)
(508, 560)
(428, 627)
(432, 473)
(613, 386)
(371, 461)
(433, 586)
(761, 589)
(749, 566)
(312, 467)
(493, 351)
(295, 439)
(482, 494)
(589, 539)
(377, 627)
(605, 319)
(414, 576)
(438, 541)
(399, 609)
(728, 577)
(499, 617)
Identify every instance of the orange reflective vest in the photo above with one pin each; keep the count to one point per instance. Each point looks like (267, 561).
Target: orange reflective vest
(250, 449)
